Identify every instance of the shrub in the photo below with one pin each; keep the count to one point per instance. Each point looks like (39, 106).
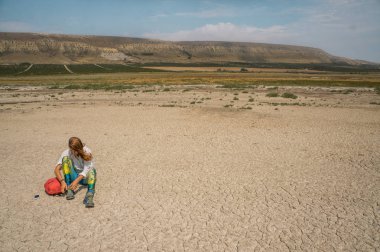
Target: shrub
(272, 94)
(167, 105)
(377, 90)
(289, 95)
(347, 91)
(272, 88)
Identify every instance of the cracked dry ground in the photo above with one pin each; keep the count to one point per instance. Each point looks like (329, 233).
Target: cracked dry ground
(181, 179)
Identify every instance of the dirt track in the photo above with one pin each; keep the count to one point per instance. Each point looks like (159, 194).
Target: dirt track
(203, 178)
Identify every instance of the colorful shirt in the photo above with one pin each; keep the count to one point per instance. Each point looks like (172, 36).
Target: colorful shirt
(82, 167)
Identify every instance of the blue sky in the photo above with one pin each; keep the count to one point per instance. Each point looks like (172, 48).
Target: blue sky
(349, 28)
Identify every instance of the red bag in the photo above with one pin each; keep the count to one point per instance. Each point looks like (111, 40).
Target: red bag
(52, 186)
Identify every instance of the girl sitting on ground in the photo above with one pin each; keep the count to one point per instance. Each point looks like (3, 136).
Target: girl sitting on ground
(77, 165)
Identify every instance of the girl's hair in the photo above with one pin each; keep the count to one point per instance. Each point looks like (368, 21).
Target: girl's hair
(76, 144)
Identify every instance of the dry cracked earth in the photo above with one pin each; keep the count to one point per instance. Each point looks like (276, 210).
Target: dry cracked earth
(201, 178)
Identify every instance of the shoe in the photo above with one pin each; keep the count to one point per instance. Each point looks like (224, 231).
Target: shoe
(89, 200)
(70, 195)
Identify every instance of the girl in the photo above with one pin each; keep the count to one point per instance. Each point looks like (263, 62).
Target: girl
(77, 165)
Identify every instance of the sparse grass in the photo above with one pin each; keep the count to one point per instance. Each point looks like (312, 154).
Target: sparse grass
(377, 90)
(272, 94)
(167, 105)
(234, 81)
(166, 90)
(287, 104)
(272, 88)
(237, 86)
(106, 87)
(289, 95)
(228, 105)
(348, 91)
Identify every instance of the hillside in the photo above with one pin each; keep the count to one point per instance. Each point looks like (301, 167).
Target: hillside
(71, 49)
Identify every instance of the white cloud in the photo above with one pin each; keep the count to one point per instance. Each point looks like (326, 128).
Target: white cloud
(226, 32)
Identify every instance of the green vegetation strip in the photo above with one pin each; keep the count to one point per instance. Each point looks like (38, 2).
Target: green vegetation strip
(94, 87)
(59, 69)
(237, 84)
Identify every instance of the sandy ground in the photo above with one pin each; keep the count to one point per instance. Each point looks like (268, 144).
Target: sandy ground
(179, 171)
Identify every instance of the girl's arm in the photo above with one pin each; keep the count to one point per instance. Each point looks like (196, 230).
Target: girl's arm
(57, 172)
(74, 184)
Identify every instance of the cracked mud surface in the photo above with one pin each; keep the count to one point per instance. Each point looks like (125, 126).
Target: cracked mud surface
(195, 179)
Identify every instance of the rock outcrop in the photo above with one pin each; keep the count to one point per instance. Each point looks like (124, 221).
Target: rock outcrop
(62, 49)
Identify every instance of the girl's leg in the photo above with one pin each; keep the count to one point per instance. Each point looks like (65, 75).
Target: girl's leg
(69, 174)
(68, 170)
(91, 181)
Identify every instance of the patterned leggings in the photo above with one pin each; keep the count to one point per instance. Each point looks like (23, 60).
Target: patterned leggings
(70, 175)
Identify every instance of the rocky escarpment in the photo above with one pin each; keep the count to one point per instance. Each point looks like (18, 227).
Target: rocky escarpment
(44, 48)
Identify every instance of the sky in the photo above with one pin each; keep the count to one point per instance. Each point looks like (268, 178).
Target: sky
(347, 28)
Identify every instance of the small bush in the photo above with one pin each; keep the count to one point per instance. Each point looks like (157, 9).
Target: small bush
(289, 95)
(272, 94)
(377, 90)
(251, 99)
(348, 91)
(235, 98)
(272, 88)
(167, 105)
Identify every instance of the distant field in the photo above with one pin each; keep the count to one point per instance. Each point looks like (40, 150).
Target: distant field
(59, 69)
(230, 69)
(339, 68)
(223, 79)
(59, 75)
